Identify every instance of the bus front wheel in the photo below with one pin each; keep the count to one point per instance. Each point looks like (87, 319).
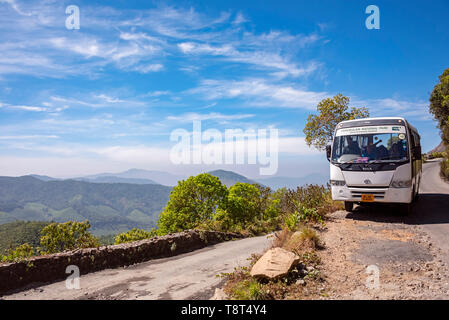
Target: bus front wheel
(349, 206)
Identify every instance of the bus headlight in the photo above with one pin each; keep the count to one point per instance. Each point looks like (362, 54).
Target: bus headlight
(401, 184)
(339, 183)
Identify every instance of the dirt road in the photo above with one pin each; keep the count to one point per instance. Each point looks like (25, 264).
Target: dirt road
(187, 276)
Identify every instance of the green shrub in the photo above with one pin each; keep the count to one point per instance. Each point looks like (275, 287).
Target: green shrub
(22, 252)
(133, 235)
(202, 202)
(249, 289)
(444, 168)
(302, 215)
(59, 237)
(243, 203)
(192, 201)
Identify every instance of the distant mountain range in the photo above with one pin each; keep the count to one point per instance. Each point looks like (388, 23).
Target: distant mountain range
(139, 176)
(293, 182)
(110, 207)
(111, 202)
(229, 178)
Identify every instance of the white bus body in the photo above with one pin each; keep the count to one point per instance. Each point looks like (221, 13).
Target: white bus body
(375, 160)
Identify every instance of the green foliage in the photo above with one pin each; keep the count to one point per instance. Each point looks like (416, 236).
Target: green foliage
(444, 168)
(191, 202)
(249, 289)
(439, 105)
(107, 240)
(16, 233)
(310, 196)
(21, 253)
(320, 128)
(202, 202)
(243, 203)
(435, 155)
(302, 215)
(59, 237)
(133, 235)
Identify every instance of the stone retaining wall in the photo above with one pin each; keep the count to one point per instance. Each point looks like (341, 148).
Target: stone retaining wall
(49, 268)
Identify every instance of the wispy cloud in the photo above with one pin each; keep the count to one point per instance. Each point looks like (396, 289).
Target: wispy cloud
(260, 92)
(138, 41)
(28, 137)
(191, 116)
(393, 106)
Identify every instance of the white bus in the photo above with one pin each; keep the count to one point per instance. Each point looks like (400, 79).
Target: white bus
(375, 160)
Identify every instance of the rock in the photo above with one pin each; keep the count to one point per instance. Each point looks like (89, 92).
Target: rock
(300, 281)
(219, 295)
(310, 268)
(275, 263)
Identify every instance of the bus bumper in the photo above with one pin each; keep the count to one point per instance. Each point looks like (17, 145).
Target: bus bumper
(383, 195)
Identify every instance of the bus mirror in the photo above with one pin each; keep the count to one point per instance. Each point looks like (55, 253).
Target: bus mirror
(328, 152)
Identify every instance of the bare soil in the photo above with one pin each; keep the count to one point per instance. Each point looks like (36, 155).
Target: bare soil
(410, 266)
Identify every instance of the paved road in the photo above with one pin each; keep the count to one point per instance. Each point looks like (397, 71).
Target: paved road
(432, 209)
(187, 276)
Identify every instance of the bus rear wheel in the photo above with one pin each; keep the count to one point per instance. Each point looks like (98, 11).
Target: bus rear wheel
(349, 206)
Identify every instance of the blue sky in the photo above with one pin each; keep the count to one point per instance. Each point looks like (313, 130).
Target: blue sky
(107, 96)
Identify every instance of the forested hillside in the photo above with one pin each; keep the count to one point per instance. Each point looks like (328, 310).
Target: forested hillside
(14, 234)
(110, 207)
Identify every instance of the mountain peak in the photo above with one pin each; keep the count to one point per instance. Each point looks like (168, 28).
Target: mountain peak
(229, 178)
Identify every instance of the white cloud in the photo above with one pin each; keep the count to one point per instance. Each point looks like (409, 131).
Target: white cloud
(108, 98)
(129, 40)
(29, 108)
(239, 19)
(260, 92)
(149, 68)
(157, 93)
(260, 58)
(392, 106)
(188, 117)
(28, 137)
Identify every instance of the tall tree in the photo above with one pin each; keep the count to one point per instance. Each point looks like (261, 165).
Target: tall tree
(320, 128)
(439, 105)
(192, 201)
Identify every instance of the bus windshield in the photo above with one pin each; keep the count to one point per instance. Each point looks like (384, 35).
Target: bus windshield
(370, 144)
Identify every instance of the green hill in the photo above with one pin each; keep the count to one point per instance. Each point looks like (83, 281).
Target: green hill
(14, 234)
(229, 178)
(110, 207)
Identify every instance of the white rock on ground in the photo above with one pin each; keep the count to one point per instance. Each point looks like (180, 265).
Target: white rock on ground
(275, 263)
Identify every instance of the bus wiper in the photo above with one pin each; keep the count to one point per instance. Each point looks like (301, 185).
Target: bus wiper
(349, 161)
(384, 158)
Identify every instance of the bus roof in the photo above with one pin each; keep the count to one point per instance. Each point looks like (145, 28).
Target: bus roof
(375, 121)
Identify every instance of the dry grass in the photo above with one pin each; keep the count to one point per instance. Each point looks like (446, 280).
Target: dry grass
(300, 283)
(301, 241)
(281, 237)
